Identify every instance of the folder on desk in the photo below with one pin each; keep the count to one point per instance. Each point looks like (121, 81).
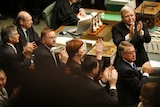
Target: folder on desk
(82, 26)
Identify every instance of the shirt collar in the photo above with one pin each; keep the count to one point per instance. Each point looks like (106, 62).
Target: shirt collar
(91, 77)
(128, 26)
(10, 45)
(131, 63)
(70, 2)
(24, 30)
(47, 47)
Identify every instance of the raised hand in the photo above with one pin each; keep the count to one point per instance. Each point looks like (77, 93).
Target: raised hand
(110, 75)
(131, 29)
(147, 68)
(99, 48)
(28, 49)
(63, 56)
(139, 27)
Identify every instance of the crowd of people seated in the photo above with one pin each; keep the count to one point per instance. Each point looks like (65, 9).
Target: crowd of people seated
(71, 78)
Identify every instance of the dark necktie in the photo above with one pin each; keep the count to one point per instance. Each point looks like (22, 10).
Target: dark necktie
(72, 6)
(135, 67)
(27, 35)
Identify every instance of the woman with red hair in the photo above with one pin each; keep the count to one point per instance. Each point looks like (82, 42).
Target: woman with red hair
(76, 51)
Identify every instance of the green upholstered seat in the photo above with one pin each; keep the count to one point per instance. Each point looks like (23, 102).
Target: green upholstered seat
(47, 13)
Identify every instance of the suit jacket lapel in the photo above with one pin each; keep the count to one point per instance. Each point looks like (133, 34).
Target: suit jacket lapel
(124, 28)
(11, 49)
(22, 38)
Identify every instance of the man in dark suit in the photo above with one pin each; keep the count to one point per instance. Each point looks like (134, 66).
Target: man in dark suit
(65, 13)
(15, 65)
(130, 80)
(46, 82)
(27, 34)
(47, 61)
(134, 32)
(43, 87)
(85, 92)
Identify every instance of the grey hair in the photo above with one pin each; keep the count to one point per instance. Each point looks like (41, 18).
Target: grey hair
(126, 8)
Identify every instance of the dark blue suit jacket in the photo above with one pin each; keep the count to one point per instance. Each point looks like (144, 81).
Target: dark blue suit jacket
(129, 83)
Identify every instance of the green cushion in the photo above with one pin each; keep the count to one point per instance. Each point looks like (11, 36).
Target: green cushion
(47, 13)
(111, 17)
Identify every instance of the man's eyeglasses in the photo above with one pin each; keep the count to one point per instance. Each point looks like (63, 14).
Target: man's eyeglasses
(130, 52)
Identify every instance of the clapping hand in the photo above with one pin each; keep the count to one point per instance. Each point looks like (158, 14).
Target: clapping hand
(110, 75)
(147, 68)
(28, 49)
(63, 56)
(131, 29)
(139, 26)
(99, 48)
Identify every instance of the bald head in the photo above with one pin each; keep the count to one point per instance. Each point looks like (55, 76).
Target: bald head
(23, 14)
(24, 19)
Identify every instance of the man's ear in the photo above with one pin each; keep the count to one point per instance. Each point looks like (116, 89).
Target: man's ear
(21, 21)
(94, 70)
(42, 40)
(10, 38)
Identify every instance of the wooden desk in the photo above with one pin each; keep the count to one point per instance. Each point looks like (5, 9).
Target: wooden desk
(109, 52)
(105, 33)
(59, 29)
(149, 13)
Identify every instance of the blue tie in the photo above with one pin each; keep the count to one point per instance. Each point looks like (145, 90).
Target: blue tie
(135, 67)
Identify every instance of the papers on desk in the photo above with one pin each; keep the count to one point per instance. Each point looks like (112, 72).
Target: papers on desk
(154, 45)
(155, 63)
(85, 18)
(88, 16)
(63, 40)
